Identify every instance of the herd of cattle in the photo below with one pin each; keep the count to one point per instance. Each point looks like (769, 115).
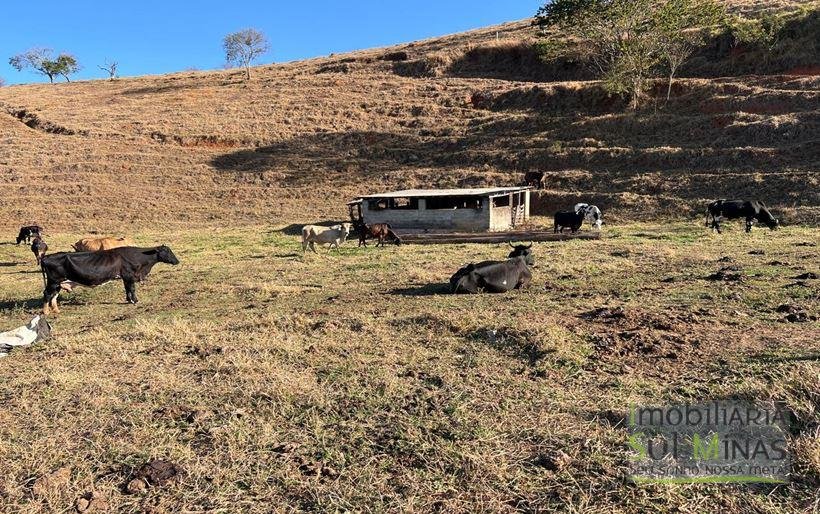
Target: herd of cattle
(96, 261)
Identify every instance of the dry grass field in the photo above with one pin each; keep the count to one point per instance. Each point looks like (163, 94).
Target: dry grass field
(350, 380)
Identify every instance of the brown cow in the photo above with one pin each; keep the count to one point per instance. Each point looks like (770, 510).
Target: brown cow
(380, 231)
(90, 244)
(38, 248)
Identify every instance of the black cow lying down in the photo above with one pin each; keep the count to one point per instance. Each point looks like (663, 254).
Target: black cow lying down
(65, 270)
(733, 209)
(492, 276)
(522, 251)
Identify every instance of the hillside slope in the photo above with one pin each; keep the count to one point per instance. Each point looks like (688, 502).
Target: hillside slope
(464, 110)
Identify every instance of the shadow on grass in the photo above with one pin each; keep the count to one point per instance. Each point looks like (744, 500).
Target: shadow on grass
(9, 264)
(31, 303)
(427, 290)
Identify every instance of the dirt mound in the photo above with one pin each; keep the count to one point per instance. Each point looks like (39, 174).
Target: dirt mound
(154, 473)
(727, 274)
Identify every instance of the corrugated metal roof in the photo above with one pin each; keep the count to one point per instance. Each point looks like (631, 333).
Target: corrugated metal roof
(421, 193)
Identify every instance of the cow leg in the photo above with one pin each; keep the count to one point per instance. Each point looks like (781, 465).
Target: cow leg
(130, 291)
(749, 222)
(313, 247)
(716, 224)
(50, 294)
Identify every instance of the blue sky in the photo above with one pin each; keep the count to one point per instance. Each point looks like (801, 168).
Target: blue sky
(160, 36)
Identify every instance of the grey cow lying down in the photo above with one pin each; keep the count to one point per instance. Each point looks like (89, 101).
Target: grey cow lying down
(38, 329)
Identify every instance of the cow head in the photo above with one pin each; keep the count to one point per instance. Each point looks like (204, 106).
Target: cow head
(773, 224)
(164, 254)
(522, 251)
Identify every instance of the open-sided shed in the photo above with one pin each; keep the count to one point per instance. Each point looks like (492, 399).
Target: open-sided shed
(489, 209)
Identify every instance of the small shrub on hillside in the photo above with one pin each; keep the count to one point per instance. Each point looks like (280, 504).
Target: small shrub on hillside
(763, 32)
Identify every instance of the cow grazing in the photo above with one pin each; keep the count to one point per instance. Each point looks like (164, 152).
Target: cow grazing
(28, 232)
(592, 214)
(334, 236)
(38, 329)
(568, 219)
(64, 270)
(96, 244)
(733, 209)
(38, 248)
(380, 231)
(522, 251)
(492, 277)
(534, 179)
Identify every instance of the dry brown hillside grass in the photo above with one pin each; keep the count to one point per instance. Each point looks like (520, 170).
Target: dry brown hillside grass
(206, 147)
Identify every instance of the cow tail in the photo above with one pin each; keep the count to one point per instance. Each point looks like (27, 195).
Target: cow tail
(43, 271)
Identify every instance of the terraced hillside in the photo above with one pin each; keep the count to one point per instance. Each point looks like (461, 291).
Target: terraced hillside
(465, 110)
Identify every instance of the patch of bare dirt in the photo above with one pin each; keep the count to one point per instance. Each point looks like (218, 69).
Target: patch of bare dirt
(91, 502)
(154, 473)
(726, 274)
(52, 483)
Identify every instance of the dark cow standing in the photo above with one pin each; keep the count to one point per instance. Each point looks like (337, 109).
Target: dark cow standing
(522, 251)
(568, 219)
(534, 179)
(492, 277)
(380, 231)
(132, 265)
(733, 209)
(38, 248)
(28, 232)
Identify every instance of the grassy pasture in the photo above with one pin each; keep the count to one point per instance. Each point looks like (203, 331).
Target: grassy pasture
(351, 381)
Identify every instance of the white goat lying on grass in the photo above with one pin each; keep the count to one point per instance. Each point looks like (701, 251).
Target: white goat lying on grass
(38, 329)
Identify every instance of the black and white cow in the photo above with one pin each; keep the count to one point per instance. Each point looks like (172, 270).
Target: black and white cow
(28, 232)
(592, 214)
(492, 276)
(733, 209)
